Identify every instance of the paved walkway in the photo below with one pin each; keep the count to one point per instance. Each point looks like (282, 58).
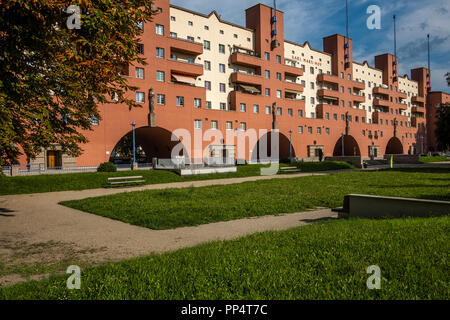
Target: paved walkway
(35, 221)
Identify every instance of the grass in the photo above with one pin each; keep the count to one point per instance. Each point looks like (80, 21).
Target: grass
(326, 260)
(93, 180)
(427, 159)
(172, 208)
(324, 166)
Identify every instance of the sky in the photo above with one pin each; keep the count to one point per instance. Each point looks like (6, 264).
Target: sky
(311, 20)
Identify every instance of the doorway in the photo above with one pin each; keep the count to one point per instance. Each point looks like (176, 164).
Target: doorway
(54, 159)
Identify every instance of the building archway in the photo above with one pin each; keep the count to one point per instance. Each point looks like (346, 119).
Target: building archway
(394, 146)
(150, 143)
(351, 147)
(262, 152)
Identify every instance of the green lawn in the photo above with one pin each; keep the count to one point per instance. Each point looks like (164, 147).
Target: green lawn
(171, 208)
(326, 260)
(433, 159)
(92, 180)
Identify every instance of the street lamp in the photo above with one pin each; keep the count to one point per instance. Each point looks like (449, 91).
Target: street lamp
(343, 152)
(290, 146)
(134, 145)
(237, 145)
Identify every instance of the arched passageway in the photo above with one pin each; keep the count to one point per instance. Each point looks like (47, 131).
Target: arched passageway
(262, 152)
(394, 146)
(351, 147)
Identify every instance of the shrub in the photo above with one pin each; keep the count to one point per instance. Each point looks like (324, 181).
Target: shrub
(107, 167)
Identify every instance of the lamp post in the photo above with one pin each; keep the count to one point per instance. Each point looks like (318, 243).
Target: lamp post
(343, 152)
(237, 145)
(134, 146)
(290, 146)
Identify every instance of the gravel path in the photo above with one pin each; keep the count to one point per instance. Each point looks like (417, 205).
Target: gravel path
(38, 229)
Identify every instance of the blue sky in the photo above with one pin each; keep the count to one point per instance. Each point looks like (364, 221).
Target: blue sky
(311, 20)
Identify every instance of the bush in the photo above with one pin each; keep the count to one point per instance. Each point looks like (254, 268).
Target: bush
(107, 167)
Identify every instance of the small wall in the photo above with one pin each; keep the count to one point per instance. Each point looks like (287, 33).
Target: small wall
(368, 206)
(354, 160)
(403, 158)
(207, 170)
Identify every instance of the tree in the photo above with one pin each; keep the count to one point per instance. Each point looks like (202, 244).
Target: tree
(443, 126)
(53, 76)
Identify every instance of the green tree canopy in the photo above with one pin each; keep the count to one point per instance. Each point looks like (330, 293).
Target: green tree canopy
(53, 77)
(443, 126)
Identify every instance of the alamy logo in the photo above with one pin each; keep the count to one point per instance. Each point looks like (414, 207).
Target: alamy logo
(74, 20)
(74, 281)
(374, 20)
(374, 281)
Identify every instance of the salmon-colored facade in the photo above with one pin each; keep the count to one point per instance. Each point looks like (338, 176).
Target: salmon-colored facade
(335, 112)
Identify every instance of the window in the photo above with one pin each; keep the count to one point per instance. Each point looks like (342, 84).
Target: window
(349, 104)
(342, 89)
(364, 133)
(172, 18)
(290, 112)
(214, 124)
(140, 97)
(197, 124)
(160, 29)
(327, 130)
(223, 106)
(312, 100)
(242, 107)
(327, 116)
(173, 35)
(139, 73)
(278, 76)
(161, 99)
(268, 92)
(311, 70)
(267, 56)
(342, 75)
(255, 108)
(206, 28)
(303, 83)
(197, 102)
(208, 104)
(222, 87)
(207, 65)
(278, 59)
(303, 68)
(140, 48)
(267, 110)
(300, 129)
(229, 125)
(320, 71)
(235, 36)
(267, 74)
(300, 113)
(313, 115)
(206, 45)
(335, 116)
(342, 117)
(160, 76)
(342, 103)
(312, 85)
(221, 31)
(310, 130)
(160, 53)
(190, 23)
(279, 94)
(243, 126)
(190, 38)
(221, 48)
(279, 111)
(180, 101)
(221, 67)
(349, 90)
(319, 130)
(208, 85)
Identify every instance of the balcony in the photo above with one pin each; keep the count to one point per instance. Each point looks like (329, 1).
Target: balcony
(420, 110)
(292, 71)
(185, 46)
(293, 87)
(417, 99)
(381, 90)
(402, 95)
(358, 85)
(401, 106)
(381, 103)
(359, 98)
(186, 68)
(327, 78)
(246, 60)
(328, 94)
(238, 77)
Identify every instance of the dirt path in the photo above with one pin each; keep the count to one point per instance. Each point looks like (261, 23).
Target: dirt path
(36, 230)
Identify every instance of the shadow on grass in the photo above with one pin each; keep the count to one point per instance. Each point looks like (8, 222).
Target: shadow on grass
(4, 212)
(440, 169)
(318, 219)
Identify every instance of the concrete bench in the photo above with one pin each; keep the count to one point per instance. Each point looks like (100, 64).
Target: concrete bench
(368, 206)
(289, 169)
(125, 180)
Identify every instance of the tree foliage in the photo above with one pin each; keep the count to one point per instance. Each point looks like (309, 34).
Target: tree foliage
(443, 126)
(53, 77)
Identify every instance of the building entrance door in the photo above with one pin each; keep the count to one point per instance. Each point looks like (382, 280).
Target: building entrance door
(54, 159)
